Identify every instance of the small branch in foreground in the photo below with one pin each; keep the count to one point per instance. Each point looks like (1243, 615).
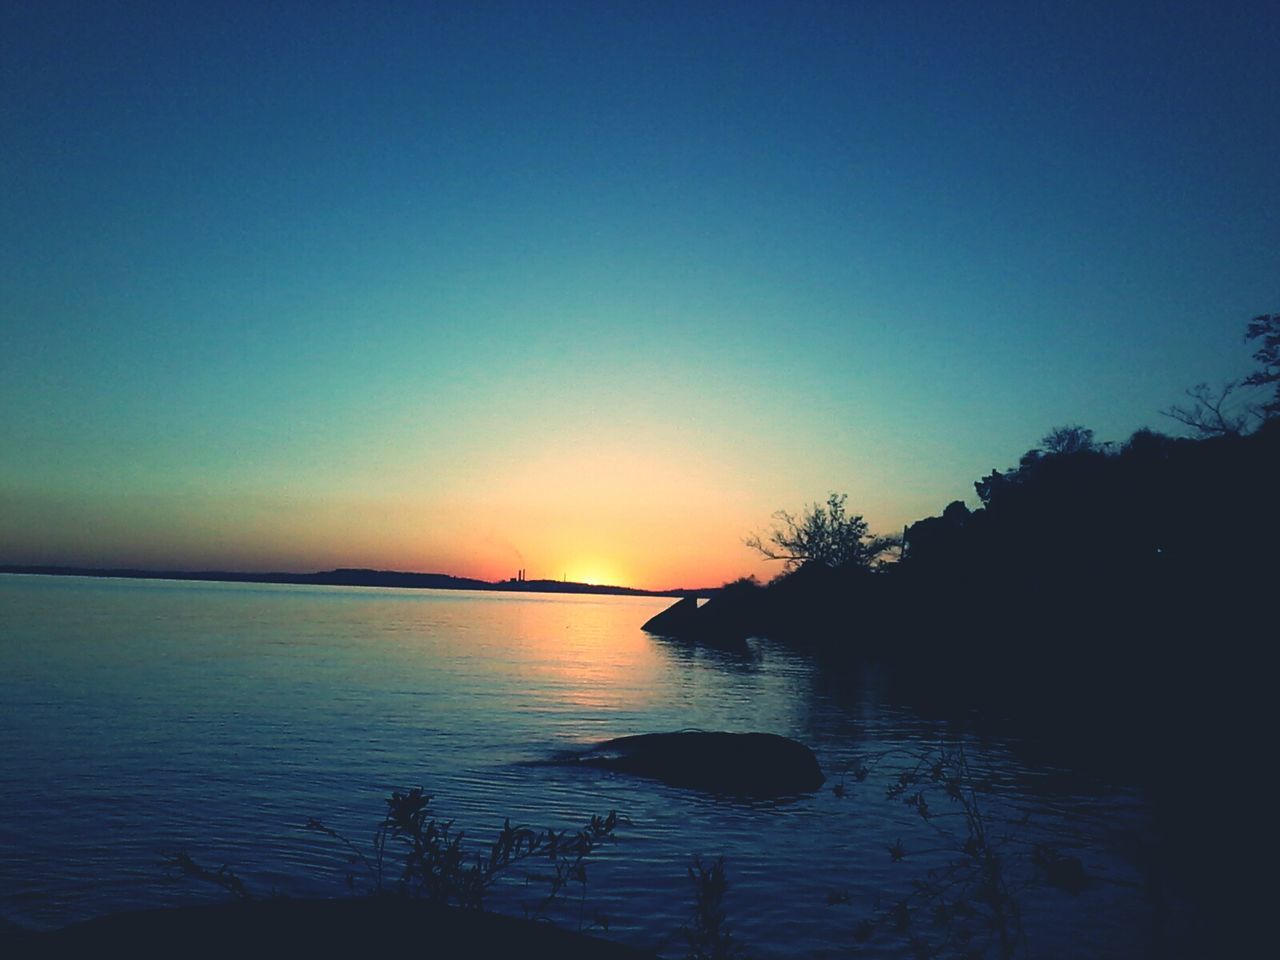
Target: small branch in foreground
(181, 866)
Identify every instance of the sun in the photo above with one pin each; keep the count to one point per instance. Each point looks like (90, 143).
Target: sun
(596, 574)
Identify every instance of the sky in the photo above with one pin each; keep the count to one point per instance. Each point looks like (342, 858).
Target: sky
(592, 289)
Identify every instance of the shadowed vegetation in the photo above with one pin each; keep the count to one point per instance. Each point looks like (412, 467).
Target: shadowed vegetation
(707, 933)
(968, 906)
(421, 881)
(1115, 600)
(417, 855)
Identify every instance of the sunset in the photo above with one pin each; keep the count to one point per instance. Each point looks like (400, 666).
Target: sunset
(441, 395)
(425, 291)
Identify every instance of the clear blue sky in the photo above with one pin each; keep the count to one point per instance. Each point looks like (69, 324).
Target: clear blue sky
(594, 288)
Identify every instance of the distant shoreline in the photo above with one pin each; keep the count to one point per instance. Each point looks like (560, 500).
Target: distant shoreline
(356, 577)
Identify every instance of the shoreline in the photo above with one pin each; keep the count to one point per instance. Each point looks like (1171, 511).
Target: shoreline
(352, 577)
(355, 926)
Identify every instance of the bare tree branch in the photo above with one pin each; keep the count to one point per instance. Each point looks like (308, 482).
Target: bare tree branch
(1207, 415)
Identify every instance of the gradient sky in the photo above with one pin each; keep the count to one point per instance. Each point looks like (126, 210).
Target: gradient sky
(592, 289)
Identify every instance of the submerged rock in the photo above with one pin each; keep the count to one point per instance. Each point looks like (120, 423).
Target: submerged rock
(745, 764)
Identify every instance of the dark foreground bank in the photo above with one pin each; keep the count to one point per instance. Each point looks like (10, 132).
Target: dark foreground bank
(358, 927)
(1111, 608)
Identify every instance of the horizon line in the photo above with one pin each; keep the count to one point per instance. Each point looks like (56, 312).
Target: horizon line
(354, 577)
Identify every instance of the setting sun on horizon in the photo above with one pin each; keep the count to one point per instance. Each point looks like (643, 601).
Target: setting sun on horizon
(829, 448)
(581, 294)
(595, 574)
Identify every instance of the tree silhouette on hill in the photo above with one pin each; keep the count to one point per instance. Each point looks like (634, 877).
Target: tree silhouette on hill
(1266, 328)
(824, 534)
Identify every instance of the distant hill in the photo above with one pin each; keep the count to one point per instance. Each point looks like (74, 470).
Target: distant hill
(358, 577)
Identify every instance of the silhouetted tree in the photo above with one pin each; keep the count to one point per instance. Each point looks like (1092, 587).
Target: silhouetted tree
(1069, 439)
(937, 538)
(823, 534)
(1148, 443)
(1207, 415)
(993, 484)
(1211, 415)
(1266, 328)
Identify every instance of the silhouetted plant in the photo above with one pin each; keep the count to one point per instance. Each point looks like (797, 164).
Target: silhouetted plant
(1266, 328)
(434, 863)
(966, 908)
(1068, 439)
(430, 859)
(1208, 414)
(706, 933)
(568, 854)
(823, 534)
(180, 866)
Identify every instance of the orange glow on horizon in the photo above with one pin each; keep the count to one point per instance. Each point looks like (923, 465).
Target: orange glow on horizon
(597, 574)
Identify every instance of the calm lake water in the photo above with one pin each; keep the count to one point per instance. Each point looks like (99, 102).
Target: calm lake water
(142, 716)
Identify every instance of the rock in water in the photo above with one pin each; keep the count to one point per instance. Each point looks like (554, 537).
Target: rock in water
(744, 764)
(675, 621)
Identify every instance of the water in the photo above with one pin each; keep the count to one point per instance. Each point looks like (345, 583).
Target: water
(141, 717)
